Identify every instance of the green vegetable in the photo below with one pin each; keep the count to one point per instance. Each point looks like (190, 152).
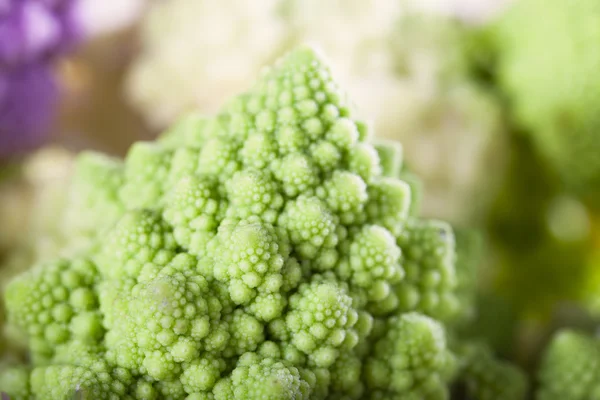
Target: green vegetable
(412, 342)
(259, 254)
(547, 62)
(570, 368)
(487, 378)
(469, 250)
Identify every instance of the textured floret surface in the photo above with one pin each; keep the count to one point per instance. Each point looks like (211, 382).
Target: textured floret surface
(263, 253)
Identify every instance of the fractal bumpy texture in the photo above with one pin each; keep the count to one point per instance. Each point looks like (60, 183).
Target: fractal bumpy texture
(268, 252)
(406, 68)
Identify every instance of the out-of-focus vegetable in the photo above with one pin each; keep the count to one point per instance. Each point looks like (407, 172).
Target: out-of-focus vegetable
(33, 33)
(546, 60)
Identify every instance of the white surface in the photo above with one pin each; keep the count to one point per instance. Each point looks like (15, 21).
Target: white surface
(471, 10)
(105, 16)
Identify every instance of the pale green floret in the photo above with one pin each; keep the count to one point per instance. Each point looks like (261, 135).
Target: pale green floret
(292, 274)
(344, 133)
(112, 302)
(193, 210)
(200, 396)
(320, 321)
(311, 226)
(252, 193)
(183, 164)
(296, 173)
(55, 303)
(291, 139)
(258, 254)
(93, 205)
(411, 360)
(249, 259)
(430, 281)
(258, 151)
(346, 382)
(363, 160)
(416, 191)
(81, 371)
(146, 172)
(218, 159)
(345, 194)
(374, 260)
(487, 378)
(170, 319)
(201, 375)
(570, 368)
(391, 157)
(144, 390)
(247, 333)
(81, 353)
(140, 237)
(264, 379)
(170, 390)
(389, 204)
(66, 382)
(325, 155)
(365, 131)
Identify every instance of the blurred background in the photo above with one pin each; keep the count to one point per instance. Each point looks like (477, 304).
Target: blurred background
(503, 132)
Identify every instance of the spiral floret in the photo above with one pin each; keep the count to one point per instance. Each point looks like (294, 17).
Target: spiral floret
(256, 254)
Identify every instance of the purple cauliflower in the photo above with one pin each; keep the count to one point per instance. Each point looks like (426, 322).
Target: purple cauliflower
(33, 33)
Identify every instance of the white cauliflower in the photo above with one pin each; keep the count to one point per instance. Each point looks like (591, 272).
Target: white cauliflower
(197, 53)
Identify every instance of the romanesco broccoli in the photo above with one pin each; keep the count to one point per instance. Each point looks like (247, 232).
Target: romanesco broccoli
(487, 378)
(401, 60)
(570, 368)
(264, 253)
(547, 60)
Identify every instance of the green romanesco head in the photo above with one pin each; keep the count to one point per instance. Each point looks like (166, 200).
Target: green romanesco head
(486, 378)
(55, 303)
(93, 205)
(411, 343)
(269, 252)
(547, 62)
(570, 367)
(257, 377)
